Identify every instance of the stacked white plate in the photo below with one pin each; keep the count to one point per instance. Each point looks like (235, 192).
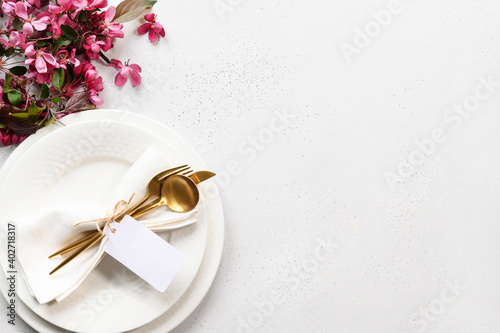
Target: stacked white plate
(82, 162)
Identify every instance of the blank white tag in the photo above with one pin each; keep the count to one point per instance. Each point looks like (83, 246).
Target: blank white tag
(144, 252)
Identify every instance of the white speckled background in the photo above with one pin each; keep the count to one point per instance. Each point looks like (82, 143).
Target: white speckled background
(420, 256)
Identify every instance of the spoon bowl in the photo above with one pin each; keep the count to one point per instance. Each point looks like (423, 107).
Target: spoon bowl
(180, 193)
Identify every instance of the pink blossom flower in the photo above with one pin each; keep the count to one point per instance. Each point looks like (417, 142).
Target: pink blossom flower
(35, 3)
(65, 57)
(92, 81)
(64, 5)
(40, 77)
(30, 50)
(8, 7)
(2, 103)
(155, 29)
(16, 39)
(112, 29)
(88, 5)
(125, 71)
(56, 22)
(43, 61)
(21, 9)
(83, 67)
(94, 84)
(40, 24)
(95, 99)
(94, 46)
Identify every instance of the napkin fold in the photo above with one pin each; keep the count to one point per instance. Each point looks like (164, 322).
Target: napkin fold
(51, 230)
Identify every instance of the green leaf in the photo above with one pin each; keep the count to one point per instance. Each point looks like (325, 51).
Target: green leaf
(69, 31)
(18, 70)
(49, 121)
(61, 42)
(44, 91)
(56, 99)
(15, 97)
(20, 116)
(8, 80)
(58, 78)
(9, 51)
(6, 89)
(82, 17)
(128, 10)
(34, 110)
(41, 43)
(32, 118)
(17, 23)
(2, 50)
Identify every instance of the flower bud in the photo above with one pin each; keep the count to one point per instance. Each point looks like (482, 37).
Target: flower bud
(15, 139)
(7, 140)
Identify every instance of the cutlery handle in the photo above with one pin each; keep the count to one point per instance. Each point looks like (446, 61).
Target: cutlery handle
(90, 243)
(73, 245)
(132, 210)
(146, 209)
(78, 243)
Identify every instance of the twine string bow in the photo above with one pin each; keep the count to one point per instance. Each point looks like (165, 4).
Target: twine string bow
(121, 208)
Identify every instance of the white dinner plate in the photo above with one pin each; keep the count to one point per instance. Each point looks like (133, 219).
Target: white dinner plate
(83, 164)
(93, 306)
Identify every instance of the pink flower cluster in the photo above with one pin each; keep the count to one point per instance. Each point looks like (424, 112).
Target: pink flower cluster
(58, 41)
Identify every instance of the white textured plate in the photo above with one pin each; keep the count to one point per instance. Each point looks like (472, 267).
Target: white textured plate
(108, 300)
(215, 241)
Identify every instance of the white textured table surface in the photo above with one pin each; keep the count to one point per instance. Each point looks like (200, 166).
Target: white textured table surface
(391, 156)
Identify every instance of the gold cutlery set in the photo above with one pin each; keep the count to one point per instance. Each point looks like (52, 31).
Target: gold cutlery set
(175, 188)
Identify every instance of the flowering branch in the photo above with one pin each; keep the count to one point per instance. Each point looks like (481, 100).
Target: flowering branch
(46, 52)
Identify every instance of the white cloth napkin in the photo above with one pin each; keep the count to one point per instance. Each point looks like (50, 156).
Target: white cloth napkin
(53, 229)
